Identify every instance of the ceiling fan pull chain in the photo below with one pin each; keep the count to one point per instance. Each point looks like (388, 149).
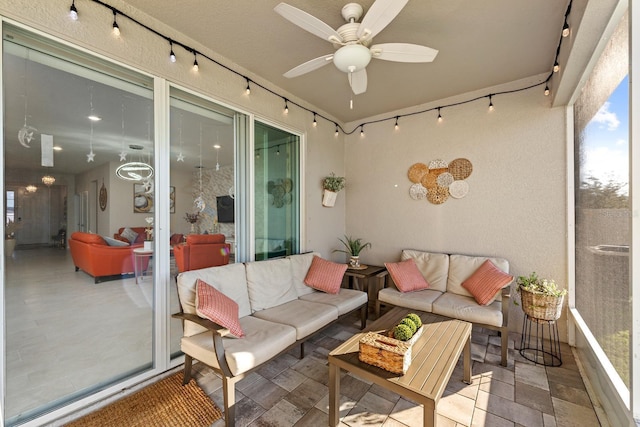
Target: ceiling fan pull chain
(350, 81)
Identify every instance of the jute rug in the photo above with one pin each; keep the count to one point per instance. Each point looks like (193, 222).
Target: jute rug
(166, 403)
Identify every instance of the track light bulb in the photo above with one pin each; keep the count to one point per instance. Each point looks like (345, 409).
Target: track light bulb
(361, 130)
(278, 151)
(565, 29)
(556, 67)
(195, 62)
(337, 132)
(396, 125)
(439, 116)
(248, 90)
(546, 90)
(116, 28)
(172, 56)
(315, 122)
(73, 12)
(286, 107)
(490, 103)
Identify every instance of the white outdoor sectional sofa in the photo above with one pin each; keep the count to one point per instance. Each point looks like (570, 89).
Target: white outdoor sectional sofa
(276, 309)
(446, 296)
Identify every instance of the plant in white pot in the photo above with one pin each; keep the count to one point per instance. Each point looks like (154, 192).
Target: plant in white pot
(353, 247)
(332, 184)
(541, 298)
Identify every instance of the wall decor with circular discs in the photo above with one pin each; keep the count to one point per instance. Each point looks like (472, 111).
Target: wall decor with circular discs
(439, 180)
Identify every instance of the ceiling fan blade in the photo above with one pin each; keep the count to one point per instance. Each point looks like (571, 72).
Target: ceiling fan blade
(307, 22)
(309, 66)
(403, 52)
(379, 15)
(358, 81)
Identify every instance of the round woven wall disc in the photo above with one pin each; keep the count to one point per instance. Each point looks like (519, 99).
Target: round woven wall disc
(417, 171)
(458, 189)
(437, 195)
(429, 180)
(444, 179)
(460, 168)
(417, 192)
(438, 164)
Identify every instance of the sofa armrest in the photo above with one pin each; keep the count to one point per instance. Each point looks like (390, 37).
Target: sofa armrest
(217, 331)
(506, 298)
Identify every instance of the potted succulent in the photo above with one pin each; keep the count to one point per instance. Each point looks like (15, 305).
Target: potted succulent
(332, 184)
(541, 298)
(353, 247)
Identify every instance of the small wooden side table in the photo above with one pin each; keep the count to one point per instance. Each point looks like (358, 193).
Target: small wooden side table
(372, 271)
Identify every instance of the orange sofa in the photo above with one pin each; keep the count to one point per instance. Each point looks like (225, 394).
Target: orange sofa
(92, 254)
(201, 251)
(139, 238)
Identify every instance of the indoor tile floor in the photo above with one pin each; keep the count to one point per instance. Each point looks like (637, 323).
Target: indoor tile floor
(290, 391)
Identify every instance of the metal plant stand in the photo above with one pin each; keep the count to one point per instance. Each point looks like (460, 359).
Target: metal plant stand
(535, 347)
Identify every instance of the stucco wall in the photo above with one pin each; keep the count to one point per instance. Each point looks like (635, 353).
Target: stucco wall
(516, 204)
(147, 52)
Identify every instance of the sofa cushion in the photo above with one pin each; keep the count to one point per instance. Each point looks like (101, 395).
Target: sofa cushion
(466, 308)
(229, 279)
(406, 275)
(262, 341)
(270, 283)
(418, 300)
(461, 267)
(305, 316)
(433, 266)
(486, 282)
(345, 301)
(203, 239)
(129, 234)
(299, 267)
(114, 242)
(217, 307)
(325, 276)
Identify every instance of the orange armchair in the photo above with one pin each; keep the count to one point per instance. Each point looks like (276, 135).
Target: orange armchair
(202, 251)
(92, 254)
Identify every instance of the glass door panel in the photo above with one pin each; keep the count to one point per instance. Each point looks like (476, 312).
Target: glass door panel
(277, 192)
(76, 321)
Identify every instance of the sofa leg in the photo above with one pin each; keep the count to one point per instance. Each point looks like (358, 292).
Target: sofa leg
(504, 335)
(377, 312)
(229, 390)
(188, 361)
(363, 316)
(301, 350)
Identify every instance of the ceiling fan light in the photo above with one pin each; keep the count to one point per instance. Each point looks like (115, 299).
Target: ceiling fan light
(352, 58)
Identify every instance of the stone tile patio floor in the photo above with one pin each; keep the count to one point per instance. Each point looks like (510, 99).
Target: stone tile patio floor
(290, 391)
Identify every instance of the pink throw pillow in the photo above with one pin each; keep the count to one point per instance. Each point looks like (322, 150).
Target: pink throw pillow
(217, 307)
(406, 276)
(485, 282)
(325, 276)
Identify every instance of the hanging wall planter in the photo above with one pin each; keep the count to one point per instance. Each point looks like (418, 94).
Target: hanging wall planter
(332, 185)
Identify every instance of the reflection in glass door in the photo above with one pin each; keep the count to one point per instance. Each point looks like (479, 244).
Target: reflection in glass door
(75, 320)
(277, 192)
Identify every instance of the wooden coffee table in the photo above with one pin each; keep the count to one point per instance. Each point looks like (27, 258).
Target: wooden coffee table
(434, 357)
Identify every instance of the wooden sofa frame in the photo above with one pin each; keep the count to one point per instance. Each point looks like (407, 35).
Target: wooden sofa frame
(228, 379)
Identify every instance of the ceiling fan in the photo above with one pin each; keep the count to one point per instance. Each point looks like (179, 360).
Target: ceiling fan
(353, 40)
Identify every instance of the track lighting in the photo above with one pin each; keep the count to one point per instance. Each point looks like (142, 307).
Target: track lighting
(73, 12)
(439, 116)
(278, 150)
(337, 132)
(361, 130)
(172, 56)
(397, 126)
(556, 67)
(546, 90)
(565, 29)
(490, 103)
(248, 88)
(116, 28)
(286, 106)
(315, 122)
(195, 61)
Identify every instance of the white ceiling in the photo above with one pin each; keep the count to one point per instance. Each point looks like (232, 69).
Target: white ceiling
(480, 43)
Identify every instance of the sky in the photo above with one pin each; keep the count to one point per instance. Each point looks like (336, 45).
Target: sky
(606, 139)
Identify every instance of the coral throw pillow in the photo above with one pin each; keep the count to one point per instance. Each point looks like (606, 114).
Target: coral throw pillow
(325, 276)
(406, 275)
(217, 307)
(485, 282)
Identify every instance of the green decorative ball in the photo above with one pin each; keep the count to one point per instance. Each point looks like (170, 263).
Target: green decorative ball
(415, 318)
(410, 324)
(402, 332)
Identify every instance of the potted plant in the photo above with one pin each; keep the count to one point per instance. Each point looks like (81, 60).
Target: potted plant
(10, 228)
(332, 184)
(353, 247)
(541, 298)
(148, 231)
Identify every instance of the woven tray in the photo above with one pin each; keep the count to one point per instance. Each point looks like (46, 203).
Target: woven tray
(381, 350)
